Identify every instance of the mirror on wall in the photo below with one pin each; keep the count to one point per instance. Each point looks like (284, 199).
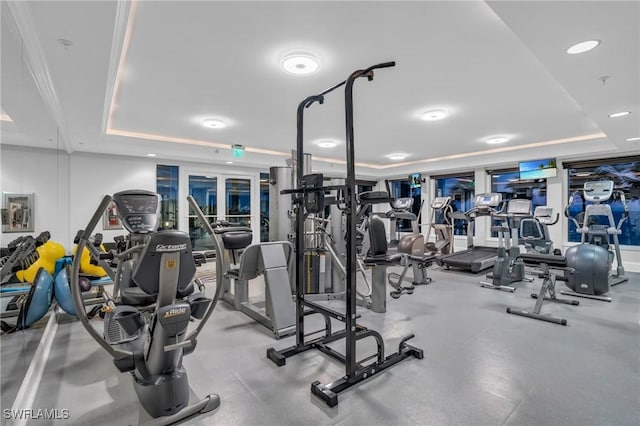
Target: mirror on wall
(33, 181)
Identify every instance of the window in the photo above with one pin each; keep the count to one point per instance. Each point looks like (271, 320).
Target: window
(167, 187)
(625, 174)
(508, 183)
(264, 207)
(461, 189)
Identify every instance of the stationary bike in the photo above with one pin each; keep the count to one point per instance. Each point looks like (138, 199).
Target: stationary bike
(509, 267)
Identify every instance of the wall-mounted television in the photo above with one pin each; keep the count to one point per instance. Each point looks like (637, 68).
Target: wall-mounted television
(538, 169)
(415, 180)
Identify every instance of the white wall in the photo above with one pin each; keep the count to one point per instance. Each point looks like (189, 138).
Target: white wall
(45, 173)
(93, 176)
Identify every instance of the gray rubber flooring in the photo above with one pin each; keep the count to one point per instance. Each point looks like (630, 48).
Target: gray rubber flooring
(481, 366)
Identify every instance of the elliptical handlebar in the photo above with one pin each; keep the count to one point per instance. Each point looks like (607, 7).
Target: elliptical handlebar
(194, 334)
(83, 242)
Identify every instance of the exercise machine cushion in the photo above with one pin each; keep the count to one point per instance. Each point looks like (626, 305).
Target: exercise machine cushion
(135, 296)
(145, 272)
(375, 197)
(235, 238)
(552, 260)
(378, 251)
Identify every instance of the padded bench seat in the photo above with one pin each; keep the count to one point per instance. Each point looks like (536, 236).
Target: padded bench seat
(552, 260)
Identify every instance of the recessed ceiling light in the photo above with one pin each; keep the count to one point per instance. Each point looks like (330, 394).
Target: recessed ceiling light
(299, 63)
(619, 114)
(397, 156)
(213, 123)
(228, 162)
(327, 143)
(582, 47)
(434, 114)
(633, 139)
(496, 140)
(151, 155)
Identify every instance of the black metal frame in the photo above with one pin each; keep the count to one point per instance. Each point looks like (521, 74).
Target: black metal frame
(546, 262)
(355, 370)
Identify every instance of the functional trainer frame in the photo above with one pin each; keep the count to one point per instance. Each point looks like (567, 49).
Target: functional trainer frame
(355, 370)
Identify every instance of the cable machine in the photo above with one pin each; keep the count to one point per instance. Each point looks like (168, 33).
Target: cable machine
(308, 198)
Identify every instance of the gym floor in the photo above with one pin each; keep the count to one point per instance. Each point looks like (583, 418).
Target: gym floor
(481, 365)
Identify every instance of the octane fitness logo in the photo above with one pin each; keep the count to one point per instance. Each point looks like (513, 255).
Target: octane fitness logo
(36, 414)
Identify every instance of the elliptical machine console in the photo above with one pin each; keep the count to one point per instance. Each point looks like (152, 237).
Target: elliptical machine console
(139, 211)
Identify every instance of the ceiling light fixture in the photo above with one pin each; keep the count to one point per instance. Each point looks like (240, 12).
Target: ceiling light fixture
(434, 114)
(300, 63)
(619, 114)
(228, 162)
(327, 143)
(398, 156)
(582, 47)
(633, 139)
(213, 123)
(151, 155)
(494, 140)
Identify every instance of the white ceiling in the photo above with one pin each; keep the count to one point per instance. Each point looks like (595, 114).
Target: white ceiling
(500, 68)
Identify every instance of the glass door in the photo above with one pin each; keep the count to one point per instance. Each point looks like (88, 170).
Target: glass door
(238, 200)
(204, 190)
(221, 198)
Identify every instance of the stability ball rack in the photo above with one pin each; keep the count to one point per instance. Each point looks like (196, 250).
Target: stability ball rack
(305, 197)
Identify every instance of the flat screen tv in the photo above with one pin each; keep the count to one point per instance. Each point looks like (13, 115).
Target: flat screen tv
(538, 169)
(415, 180)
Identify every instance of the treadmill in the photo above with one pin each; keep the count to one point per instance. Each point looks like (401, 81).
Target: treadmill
(474, 258)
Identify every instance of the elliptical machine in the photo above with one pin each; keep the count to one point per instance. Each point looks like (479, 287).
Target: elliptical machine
(443, 230)
(153, 302)
(509, 267)
(593, 258)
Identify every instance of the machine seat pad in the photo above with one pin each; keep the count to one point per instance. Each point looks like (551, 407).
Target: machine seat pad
(135, 296)
(225, 229)
(426, 258)
(553, 260)
(236, 240)
(374, 197)
(391, 259)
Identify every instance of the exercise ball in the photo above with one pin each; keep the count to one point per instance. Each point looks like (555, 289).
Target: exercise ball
(39, 298)
(591, 264)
